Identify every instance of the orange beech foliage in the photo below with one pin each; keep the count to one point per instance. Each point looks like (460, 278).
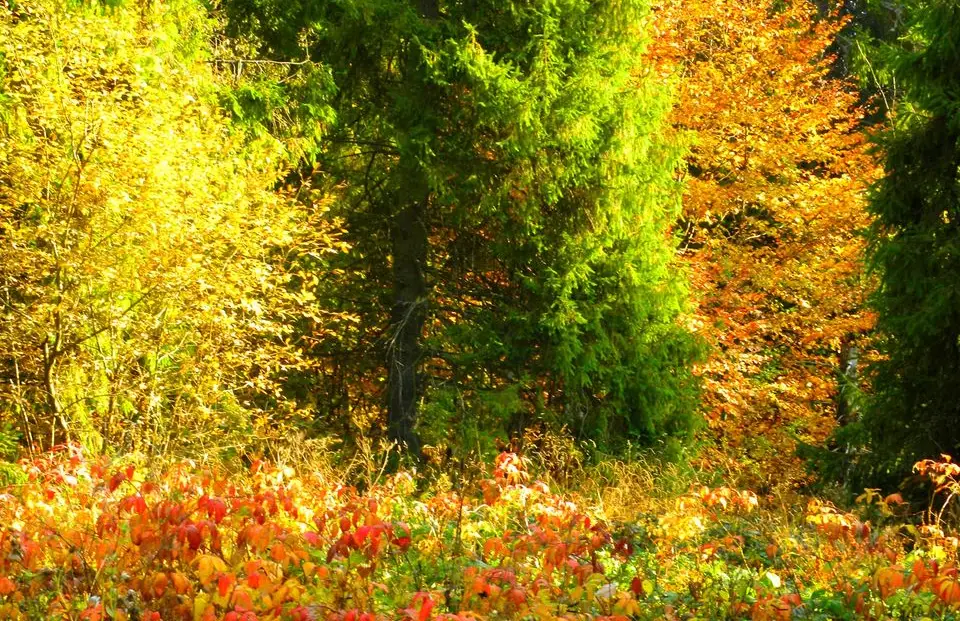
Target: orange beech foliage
(775, 198)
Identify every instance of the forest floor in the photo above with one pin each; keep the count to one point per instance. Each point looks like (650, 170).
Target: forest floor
(134, 539)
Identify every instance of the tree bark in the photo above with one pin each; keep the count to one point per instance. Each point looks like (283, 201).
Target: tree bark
(846, 406)
(408, 236)
(409, 241)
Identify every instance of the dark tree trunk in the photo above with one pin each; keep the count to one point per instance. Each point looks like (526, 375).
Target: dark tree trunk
(429, 9)
(408, 236)
(407, 317)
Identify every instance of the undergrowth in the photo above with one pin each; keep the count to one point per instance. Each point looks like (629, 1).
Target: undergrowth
(94, 539)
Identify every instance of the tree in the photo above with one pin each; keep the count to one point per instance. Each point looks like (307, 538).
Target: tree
(776, 196)
(915, 410)
(146, 262)
(508, 191)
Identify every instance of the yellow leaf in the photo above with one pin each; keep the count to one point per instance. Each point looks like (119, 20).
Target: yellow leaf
(648, 586)
(208, 567)
(200, 604)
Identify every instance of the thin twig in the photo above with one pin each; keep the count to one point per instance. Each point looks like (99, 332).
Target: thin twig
(294, 63)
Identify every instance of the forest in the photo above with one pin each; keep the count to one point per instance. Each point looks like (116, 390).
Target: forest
(466, 310)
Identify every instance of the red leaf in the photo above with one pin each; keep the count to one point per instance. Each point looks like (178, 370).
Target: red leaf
(223, 584)
(360, 535)
(115, 481)
(193, 536)
(425, 607)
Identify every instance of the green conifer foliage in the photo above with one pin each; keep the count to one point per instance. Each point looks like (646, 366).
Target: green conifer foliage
(915, 412)
(508, 186)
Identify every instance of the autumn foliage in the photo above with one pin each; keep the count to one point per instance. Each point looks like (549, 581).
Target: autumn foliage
(150, 272)
(358, 311)
(774, 203)
(98, 539)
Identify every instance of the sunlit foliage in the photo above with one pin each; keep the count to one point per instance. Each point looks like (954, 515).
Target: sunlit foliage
(97, 539)
(774, 203)
(145, 295)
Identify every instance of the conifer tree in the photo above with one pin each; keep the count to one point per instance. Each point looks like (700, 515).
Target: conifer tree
(508, 188)
(915, 411)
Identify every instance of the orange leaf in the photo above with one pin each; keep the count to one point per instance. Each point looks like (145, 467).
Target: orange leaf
(160, 582)
(889, 579)
(180, 583)
(948, 590)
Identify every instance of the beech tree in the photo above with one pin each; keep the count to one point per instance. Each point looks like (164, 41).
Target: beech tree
(771, 216)
(508, 187)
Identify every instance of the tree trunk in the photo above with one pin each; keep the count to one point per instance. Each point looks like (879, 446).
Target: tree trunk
(847, 411)
(429, 9)
(408, 236)
(407, 317)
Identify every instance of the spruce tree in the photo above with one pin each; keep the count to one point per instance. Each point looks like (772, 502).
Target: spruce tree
(508, 189)
(914, 412)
